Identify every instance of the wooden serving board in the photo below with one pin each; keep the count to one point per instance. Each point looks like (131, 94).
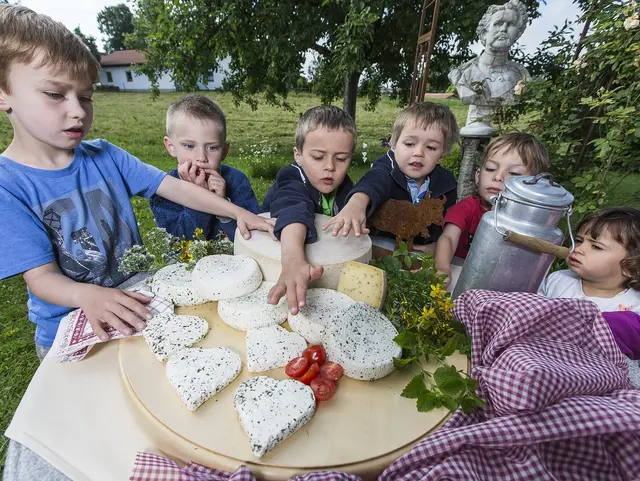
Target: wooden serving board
(361, 430)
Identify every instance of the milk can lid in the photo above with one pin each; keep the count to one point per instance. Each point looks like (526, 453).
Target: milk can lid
(540, 189)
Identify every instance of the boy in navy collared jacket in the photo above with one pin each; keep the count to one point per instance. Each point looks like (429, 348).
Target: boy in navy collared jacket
(422, 135)
(316, 183)
(197, 137)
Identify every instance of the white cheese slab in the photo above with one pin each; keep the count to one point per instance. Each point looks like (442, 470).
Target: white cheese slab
(272, 347)
(318, 311)
(175, 283)
(225, 277)
(252, 311)
(168, 333)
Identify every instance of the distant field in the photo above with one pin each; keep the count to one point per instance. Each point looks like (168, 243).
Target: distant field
(136, 123)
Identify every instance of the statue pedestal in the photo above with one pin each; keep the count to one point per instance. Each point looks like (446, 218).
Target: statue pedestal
(478, 122)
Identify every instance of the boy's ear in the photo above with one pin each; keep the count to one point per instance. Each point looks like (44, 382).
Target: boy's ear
(4, 107)
(297, 155)
(169, 146)
(477, 176)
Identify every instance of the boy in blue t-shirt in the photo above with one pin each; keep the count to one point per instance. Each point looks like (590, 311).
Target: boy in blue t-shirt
(64, 203)
(196, 136)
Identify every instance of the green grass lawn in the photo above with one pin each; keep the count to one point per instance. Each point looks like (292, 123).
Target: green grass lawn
(136, 123)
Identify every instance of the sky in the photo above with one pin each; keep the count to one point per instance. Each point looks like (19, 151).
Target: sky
(83, 13)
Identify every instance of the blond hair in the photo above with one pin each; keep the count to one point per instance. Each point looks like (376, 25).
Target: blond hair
(196, 107)
(425, 115)
(327, 116)
(533, 153)
(26, 36)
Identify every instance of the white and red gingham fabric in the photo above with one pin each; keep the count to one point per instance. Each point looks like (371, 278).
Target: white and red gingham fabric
(559, 403)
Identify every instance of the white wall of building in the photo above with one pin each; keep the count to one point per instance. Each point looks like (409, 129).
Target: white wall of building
(141, 83)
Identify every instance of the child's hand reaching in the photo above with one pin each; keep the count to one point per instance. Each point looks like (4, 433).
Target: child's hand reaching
(247, 221)
(352, 216)
(293, 282)
(192, 173)
(119, 309)
(216, 184)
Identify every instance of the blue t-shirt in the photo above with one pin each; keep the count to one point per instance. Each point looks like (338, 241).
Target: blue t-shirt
(79, 217)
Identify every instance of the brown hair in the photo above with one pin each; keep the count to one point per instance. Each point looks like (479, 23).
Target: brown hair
(424, 115)
(327, 116)
(26, 36)
(623, 225)
(198, 107)
(533, 153)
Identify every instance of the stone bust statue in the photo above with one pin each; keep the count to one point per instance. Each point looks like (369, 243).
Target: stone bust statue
(488, 80)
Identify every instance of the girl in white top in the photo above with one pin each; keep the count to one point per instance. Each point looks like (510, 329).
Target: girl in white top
(605, 265)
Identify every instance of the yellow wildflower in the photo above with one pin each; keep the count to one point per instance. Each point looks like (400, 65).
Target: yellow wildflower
(428, 313)
(446, 304)
(437, 290)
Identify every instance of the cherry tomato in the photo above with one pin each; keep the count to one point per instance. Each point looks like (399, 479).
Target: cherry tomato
(323, 388)
(331, 370)
(315, 353)
(297, 367)
(311, 374)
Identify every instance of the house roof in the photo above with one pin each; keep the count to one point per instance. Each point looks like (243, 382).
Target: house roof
(122, 57)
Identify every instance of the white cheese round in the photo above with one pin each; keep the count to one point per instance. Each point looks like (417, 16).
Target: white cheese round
(225, 277)
(270, 411)
(360, 338)
(318, 311)
(175, 283)
(168, 333)
(272, 347)
(198, 374)
(330, 252)
(252, 311)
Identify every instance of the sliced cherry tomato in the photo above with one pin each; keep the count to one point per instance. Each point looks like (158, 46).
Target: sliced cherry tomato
(311, 374)
(331, 370)
(323, 388)
(315, 353)
(297, 367)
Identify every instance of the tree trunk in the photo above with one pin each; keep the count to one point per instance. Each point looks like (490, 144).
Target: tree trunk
(351, 93)
(466, 179)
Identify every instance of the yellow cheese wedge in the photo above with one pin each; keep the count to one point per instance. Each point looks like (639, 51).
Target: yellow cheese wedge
(364, 283)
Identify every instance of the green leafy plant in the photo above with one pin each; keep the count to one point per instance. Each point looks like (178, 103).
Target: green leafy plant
(421, 309)
(161, 248)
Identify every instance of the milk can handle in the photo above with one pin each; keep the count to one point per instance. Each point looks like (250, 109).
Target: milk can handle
(505, 234)
(543, 175)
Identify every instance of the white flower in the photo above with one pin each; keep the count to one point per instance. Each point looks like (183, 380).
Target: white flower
(519, 88)
(631, 23)
(579, 63)
(364, 157)
(364, 146)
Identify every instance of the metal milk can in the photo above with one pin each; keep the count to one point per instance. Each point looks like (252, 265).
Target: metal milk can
(516, 242)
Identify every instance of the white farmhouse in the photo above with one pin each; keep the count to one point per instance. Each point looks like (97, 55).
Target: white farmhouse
(117, 70)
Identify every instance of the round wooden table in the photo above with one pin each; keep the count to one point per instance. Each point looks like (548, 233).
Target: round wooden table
(361, 430)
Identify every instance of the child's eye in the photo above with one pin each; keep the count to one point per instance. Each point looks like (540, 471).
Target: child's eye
(188, 146)
(213, 148)
(86, 99)
(596, 247)
(314, 157)
(342, 159)
(489, 169)
(408, 144)
(432, 148)
(54, 95)
(514, 173)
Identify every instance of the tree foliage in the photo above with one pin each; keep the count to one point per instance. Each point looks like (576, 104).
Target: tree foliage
(115, 22)
(586, 107)
(370, 42)
(89, 41)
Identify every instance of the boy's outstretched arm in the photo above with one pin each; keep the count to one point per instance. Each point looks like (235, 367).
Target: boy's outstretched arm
(296, 273)
(445, 248)
(100, 304)
(352, 216)
(197, 198)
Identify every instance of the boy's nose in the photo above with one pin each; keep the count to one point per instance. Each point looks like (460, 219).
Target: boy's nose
(330, 166)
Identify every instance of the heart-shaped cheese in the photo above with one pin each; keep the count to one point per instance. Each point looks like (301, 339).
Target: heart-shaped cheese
(252, 311)
(225, 277)
(360, 338)
(198, 374)
(321, 305)
(168, 333)
(175, 283)
(272, 347)
(270, 411)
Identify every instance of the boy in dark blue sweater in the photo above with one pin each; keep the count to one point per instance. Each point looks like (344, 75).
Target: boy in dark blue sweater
(316, 183)
(422, 135)
(196, 136)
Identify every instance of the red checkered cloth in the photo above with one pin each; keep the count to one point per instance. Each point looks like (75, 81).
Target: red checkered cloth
(559, 403)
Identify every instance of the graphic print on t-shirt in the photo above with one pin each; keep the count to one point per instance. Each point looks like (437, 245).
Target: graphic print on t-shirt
(89, 238)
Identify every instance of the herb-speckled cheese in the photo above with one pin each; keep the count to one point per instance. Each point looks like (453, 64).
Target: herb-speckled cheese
(175, 283)
(318, 311)
(360, 338)
(197, 374)
(272, 347)
(252, 311)
(225, 277)
(270, 411)
(364, 283)
(168, 333)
